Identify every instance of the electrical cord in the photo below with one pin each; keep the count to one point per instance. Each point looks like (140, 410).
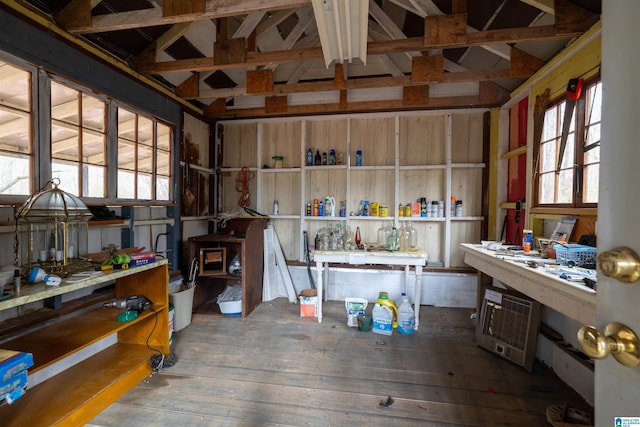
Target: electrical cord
(160, 360)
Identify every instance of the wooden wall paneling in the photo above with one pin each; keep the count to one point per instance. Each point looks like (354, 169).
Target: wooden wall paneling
(422, 140)
(230, 196)
(281, 139)
(240, 145)
(284, 187)
(463, 232)
(416, 183)
(376, 138)
(288, 232)
(430, 238)
(326, 182)
(372, 185)
(467, 143)
(324, 135)
(466, 185)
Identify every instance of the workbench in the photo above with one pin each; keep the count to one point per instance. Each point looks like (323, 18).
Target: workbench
(407, 259)
(572, 299)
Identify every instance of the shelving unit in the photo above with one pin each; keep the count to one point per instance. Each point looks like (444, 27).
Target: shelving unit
(406, 156)
(77, 394)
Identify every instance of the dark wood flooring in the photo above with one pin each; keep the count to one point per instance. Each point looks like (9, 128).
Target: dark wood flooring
(275, 368)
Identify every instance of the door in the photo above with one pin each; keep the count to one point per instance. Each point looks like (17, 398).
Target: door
(617, 388)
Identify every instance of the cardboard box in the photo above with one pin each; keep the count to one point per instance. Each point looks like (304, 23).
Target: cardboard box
(142, 259)
(14, 387)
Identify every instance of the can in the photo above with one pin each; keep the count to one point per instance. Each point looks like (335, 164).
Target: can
(384, 210)
(527, 239)
(400, 210)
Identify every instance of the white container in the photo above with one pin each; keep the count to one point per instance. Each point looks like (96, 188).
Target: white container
(230, 300)
(382, 320)
(406, 317)
(182, 301)
(354, 306)
(230, 307)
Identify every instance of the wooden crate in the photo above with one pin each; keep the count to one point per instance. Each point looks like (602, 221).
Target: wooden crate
(213, 261)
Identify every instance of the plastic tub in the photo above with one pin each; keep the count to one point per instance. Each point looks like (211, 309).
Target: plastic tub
(231, 308)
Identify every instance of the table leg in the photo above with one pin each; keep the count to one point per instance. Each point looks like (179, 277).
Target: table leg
(416, 293)
(319, 287)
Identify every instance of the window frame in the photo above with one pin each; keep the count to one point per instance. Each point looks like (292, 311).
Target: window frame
(578, 155)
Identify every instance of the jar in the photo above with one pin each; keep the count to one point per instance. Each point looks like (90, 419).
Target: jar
(278, 162)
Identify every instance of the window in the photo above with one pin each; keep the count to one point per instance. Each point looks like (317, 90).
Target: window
(144, 157)
(78, 141)
(573, 183)
(16, 136)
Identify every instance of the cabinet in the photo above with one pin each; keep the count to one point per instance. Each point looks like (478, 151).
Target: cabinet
(406, 156)
(244, 237)
(77, 394)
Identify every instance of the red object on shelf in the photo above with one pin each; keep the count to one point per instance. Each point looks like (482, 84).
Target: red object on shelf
(358, 236)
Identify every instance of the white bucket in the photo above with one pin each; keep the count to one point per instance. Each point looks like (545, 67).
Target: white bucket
(172, 311)
(183, 305)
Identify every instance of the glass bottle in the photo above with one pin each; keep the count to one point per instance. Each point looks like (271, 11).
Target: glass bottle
(394, 241)
(404, 237)
(413, 236)
(358, 236)
(317, 159)
(383, 235)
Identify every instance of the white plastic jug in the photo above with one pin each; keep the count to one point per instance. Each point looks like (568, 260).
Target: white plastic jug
(406, 317)
(382, 320)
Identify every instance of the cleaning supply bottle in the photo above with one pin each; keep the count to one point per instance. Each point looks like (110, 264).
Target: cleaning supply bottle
(382, 320)
(383, 298)
(406, 317)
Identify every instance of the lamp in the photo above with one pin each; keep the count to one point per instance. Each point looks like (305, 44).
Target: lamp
(343, 27)
(51, 231)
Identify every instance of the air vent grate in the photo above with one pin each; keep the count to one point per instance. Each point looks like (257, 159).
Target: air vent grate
(509, 325)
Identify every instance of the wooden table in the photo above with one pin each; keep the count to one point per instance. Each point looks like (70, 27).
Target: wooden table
(408, 259)
(573, 299)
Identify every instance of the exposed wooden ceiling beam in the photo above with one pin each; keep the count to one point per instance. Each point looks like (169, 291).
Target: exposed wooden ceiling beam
(546, 6)
(153, 16)
(511, 35)
(359, 83)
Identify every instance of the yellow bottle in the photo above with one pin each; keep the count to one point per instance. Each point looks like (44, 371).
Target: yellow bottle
(383, 298)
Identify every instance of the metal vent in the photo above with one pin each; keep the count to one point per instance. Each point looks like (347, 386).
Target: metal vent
(509, 325)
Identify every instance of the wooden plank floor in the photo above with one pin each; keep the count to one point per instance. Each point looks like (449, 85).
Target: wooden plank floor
(275, 368)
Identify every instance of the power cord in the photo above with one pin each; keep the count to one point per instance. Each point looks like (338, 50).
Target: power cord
(160, 360)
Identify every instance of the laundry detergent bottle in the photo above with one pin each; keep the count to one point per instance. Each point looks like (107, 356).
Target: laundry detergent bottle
(383, 298)
(382, 318)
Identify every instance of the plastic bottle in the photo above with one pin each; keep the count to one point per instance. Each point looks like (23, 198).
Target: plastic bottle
(406, 317)
(382, 320)
(324, 158)
(383, 298)
(276, 207)
(332, 157)
(309, 157)
(359, 158)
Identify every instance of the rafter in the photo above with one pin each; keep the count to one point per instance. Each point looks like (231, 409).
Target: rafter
(153, 16)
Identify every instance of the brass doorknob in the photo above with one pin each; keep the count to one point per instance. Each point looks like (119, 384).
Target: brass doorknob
(620, 263)
(618, 340)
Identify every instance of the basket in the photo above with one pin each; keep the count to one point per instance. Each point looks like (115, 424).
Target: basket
(574, 254)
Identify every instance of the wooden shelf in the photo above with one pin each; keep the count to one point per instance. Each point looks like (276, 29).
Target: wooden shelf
(59, 340)
(84, 387)
(83, 391)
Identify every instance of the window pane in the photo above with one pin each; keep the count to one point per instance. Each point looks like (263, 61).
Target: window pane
(162, 188)
(126, 185)
(145, 131)
(591, 177)
(15, 132)
(548, 156)
(144, 186)
(93, 148)
(64, 103)
(15, 174)
(93, 113)
(164, 166)
(565, 186)
(547, 188)
(568, 155)
(94, 181)
(68, 175)
(126, 155)
(164, 137)
(126, 124)
(15, 87)
(145, 159)
(550, 128)
(64, 142)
